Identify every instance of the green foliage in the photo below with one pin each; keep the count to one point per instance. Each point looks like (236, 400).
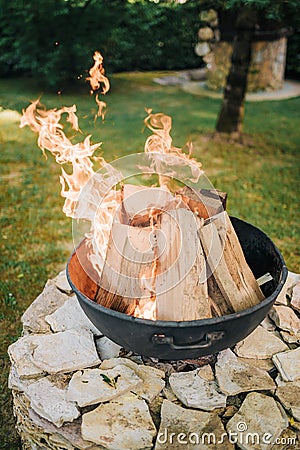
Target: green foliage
(54, 39)
(277, 10)
(155, 37)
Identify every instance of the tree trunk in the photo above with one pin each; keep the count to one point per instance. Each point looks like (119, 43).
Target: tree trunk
(232, 111)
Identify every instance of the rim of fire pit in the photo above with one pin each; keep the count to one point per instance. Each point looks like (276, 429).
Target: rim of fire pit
(190, 323)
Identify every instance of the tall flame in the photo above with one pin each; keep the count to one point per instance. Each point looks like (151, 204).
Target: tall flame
(161, 142)
(51, 137)
(98, 79)
(97, 76)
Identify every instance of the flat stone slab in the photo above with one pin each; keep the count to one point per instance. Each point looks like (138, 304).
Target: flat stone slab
(234, 376)
(70, 432)
(263, 364)
(66, 351)
(15, 382)
(286, 319)
(260, 418)
(290, 89)
(61, 282)
(39, 430)
(295, 302)
(268, 324)
(50, 402)
(288, 364)
(290, 338)
(152, 382)
(73, 351)
(172, 80)
(121, 424)
(260, 344)
(46, 303)
(286, 291)
(70, 316)
(106, 348)
(91, 386)
(279, 381)
(289, 397)
(195, 391)
(189, 429)
(20, 353)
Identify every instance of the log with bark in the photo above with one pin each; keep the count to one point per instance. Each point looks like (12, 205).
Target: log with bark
(231, 274)
(204, 202)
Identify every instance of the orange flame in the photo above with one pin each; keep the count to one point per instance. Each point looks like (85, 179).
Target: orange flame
(146, 307)
(101, 109)
(161, 142)
(51, 137)
(97, 76)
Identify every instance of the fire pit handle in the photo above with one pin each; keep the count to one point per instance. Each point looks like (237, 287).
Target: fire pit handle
(207, 341)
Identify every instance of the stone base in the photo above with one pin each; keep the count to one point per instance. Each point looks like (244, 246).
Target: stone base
(75, 389)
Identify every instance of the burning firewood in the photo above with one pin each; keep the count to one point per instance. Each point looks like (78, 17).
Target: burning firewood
(180, 293)
(232, 274)
(180, 290)
(138, 201)
(129, 254)
(204, 202)
(217, 303)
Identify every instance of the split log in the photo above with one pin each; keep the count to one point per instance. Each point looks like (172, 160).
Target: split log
(204, 202)
(129, 255)
(226, 260)
(138, 200)
(217, 303)
(180, 294)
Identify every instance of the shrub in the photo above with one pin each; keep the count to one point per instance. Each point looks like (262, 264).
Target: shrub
(54, 39)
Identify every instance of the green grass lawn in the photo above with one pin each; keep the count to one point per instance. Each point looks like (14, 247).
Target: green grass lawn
(261, 178)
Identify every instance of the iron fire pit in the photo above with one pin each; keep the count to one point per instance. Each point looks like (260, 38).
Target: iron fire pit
(189, 339)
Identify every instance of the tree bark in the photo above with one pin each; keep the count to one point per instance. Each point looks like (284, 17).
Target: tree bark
(232, 111)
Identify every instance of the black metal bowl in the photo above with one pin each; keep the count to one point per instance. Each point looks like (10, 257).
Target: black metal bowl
(191, 339)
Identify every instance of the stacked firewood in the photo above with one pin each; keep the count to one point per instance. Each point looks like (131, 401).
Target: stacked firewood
(176, 255)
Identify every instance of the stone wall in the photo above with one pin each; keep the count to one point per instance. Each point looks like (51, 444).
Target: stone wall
(266, 70)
